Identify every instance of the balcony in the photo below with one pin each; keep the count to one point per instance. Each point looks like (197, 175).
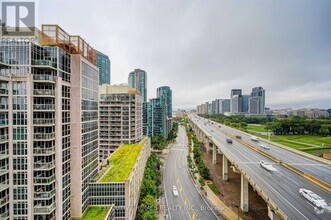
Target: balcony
(41, 180)
(44, 78)
(44, 107)
(43, 151)
(3, 91)
(3, 122)
(43, 121)
(43, 136)
(3, 186)
(3, 138)
(44, 195)
(43, 64)
(43, 92)
(40, 210)
(4, 169)
(4, 154)
(3, 107)
(4, 200)
(40, 165)
(4, 215)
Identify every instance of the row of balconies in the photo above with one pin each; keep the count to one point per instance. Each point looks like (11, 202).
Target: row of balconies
(3, 138)
(4, 215)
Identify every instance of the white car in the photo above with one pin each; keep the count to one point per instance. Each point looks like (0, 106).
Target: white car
(313, 198)
(267, 166)
(175, 191)
(254, 138)
(264, 146)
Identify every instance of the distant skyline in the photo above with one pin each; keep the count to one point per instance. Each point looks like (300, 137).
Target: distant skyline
(203, 49)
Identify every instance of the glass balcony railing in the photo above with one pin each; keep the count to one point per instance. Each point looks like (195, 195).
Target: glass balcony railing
(43, 151)
(39, 209)
(4, 169)
(4, 154)
(43, 63)
(43, 78)
(44, 195)
(4, 200)
(44, 107)
(3, 122)
(3, 138)
(42, 136)
(39, 165)
(3, 107)
(4, 185)
(44, 180)
(4, 215)
(43, 121)
(44, 92)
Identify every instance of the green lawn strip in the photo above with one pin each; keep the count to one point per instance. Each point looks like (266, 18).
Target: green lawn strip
(122, 162)
(214, 188)
(257, 128)
(96, 213)
(318, 151)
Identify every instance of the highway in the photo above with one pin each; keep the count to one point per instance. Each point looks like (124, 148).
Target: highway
(188, 204)
(282, 187)
(320, 170)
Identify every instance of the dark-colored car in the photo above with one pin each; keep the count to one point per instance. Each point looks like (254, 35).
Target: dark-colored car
(229, 140)
(238, 136)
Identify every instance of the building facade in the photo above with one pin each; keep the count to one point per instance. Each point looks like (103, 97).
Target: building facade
(104, 65)
(37, 83)
(257, 101)
(156, 114)
(123, 193)
(138, 81)
(120, 110)
(166, 92)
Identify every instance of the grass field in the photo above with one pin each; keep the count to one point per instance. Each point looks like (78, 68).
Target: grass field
(299, 142)
(257, 128)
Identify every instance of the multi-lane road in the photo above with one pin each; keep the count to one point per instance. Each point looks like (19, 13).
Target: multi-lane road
(188, 204)
(282, 187)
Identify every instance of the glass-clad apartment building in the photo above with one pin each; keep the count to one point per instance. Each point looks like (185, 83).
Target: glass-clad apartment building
(36, 108)
(104, 65)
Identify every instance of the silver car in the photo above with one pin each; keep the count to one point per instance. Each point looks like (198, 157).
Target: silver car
(313, 198)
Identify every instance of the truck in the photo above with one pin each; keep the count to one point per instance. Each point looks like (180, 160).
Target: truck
(254, 138)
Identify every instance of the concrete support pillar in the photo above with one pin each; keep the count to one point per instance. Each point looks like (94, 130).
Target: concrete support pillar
(225, 168)
(244, 194)
(214, 154)
(272, 215)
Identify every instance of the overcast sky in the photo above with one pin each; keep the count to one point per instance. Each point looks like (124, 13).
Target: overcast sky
(202, 49)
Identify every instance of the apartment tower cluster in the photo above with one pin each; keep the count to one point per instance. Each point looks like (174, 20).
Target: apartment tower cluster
(237, 104)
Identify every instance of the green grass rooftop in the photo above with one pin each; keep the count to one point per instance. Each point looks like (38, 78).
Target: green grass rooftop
(96, 213)
(121, 162)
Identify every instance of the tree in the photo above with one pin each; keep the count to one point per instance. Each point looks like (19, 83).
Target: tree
(324, 130)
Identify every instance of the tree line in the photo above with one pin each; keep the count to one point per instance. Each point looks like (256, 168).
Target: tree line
(150, 189)
(300, 125)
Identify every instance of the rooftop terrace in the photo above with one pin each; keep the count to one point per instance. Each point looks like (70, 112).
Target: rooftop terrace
(96, 213)
(121, 162)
